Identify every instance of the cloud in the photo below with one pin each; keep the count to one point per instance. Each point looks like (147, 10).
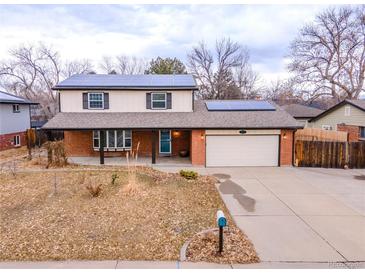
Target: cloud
(91, 31)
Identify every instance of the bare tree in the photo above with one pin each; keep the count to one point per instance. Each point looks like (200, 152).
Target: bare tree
(282, 92)
(328, 57)
(77, 67)
(123, 65)
(32, 71)
(131, 65)
(224, 74)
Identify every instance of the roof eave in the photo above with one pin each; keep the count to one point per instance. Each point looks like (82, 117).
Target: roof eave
(123, 88)
(344, 102)
(18, 103)
(185, 128)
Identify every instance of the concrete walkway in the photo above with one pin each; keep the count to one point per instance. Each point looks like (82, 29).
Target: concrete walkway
(297, 214)
(117, 264)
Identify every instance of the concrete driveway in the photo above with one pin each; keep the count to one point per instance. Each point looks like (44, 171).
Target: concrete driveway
(298, 214)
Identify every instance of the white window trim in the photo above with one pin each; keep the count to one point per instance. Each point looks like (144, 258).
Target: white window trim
(88, 99)
(17, 108)
(115, 140)
(17, 140)
(326, 127)
(159, 144)
(165, 93)
(347, 111)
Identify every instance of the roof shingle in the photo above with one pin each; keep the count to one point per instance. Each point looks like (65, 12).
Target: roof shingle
(12, 99)
(199, 118)
(301, 111)
(117, 81)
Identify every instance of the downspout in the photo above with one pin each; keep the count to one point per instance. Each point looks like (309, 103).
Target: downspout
(293, 148)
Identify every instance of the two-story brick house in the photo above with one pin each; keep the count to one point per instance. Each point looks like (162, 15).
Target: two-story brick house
(14, 120)
(158, 112)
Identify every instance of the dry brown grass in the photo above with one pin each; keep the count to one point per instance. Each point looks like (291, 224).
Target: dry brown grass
(236, 248)
(13, 153)
(152, 224)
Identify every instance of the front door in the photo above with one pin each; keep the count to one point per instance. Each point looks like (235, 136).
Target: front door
(165, 141)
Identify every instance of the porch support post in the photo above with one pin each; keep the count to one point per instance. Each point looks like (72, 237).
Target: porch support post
(154, 133)
(101, 151)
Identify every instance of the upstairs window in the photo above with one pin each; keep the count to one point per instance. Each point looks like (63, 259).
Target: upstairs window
(347, 110)
(96, 100)
(158, 101)
(16, 108)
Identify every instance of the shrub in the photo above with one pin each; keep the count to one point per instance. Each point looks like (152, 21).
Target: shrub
(114, 178)
(94, 190)
(189, 174)
(56, 153)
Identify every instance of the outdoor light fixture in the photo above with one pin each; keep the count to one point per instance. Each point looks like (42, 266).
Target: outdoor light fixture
(202, 136)
(176, 134)
(242, 131)
(284, 136)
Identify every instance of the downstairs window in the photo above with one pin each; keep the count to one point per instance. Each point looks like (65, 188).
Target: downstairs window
(362, 132)
(114, 139)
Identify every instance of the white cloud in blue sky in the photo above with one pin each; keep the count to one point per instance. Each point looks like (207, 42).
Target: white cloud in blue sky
(91, 31)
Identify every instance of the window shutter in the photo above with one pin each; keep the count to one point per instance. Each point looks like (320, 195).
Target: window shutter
(106, 100)
(84, 101)
(148, 100)
(169, 103)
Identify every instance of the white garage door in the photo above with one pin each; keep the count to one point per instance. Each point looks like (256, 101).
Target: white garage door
(259, 150)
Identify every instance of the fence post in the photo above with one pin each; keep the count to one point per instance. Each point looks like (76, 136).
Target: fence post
(347, 154)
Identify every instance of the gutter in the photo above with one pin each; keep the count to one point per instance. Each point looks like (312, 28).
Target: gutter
(123, 88)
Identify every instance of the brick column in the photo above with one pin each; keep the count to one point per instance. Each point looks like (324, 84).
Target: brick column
(197, 146)
(286, 147)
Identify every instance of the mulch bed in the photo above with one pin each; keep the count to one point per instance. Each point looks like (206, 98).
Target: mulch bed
(236, 248)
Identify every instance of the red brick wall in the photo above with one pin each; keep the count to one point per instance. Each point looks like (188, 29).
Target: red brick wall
(6, 140)
(286, 147)
(180, 141)
(79, 143)
(353, 131)
(197, 147)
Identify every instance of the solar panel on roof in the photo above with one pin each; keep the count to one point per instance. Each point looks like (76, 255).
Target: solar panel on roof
(146, 80)
(239, 106)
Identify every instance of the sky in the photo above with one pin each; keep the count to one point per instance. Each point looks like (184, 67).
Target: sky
(148, 31)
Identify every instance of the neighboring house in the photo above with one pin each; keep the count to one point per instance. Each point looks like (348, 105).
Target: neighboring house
(158, 113)
(302, 113)
(348, 115)
(14, 120)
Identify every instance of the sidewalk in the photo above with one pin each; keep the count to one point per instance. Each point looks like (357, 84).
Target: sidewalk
(118, 264)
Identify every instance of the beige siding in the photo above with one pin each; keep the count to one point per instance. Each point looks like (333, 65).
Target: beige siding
(125, 101)
(356, 118)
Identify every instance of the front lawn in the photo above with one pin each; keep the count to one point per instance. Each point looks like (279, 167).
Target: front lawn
(50, 215)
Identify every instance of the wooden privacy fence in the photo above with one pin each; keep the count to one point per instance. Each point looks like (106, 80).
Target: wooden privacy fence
(317, 134)
(329, 154)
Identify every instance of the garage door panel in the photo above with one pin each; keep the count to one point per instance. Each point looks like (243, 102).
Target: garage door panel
(242, 150)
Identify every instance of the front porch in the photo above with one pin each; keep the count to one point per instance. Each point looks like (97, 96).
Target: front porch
(168, 147)
(173, 161)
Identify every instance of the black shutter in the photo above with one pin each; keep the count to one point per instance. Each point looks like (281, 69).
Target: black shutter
(148, 100)
(106, 100)
(169, 103)
(84, 101)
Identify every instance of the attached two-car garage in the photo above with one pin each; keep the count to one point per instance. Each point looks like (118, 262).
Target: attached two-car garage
(242, 150)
